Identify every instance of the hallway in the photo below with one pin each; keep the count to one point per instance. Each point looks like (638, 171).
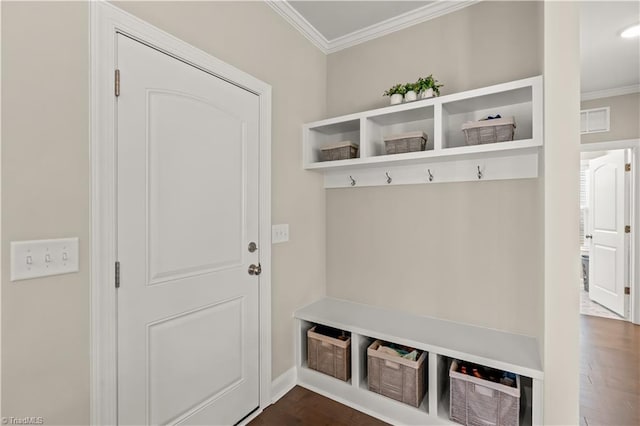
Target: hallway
(609, 372)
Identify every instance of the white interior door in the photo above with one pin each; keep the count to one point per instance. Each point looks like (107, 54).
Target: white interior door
(187, 192)
(607, 254)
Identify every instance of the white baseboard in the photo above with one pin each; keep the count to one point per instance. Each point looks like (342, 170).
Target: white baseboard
(283, 384)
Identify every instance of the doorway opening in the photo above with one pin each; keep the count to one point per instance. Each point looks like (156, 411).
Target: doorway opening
(605, 243)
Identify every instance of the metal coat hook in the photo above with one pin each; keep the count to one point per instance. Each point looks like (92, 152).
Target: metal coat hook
(388, 177)
(430, 175)
(353, 181)
(479, 173)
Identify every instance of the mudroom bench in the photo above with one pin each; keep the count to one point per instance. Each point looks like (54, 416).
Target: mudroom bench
(443, 341)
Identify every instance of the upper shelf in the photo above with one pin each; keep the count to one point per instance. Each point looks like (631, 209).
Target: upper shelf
(441, 118)
(506, 351)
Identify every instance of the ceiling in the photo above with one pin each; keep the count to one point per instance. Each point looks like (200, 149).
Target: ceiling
(609, 61)
(610, 65)
(334, 19)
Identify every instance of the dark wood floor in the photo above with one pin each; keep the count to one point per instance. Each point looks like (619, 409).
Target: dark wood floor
(303, 407)
(609, 372)
(609, 385)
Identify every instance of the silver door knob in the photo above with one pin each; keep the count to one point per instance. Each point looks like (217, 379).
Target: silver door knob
(589, 236)
(255, 269)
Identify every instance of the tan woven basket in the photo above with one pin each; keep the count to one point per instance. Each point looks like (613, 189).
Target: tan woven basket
(328, 355)
(342, 151)
(475, 401)
(406, 142)
(395, 377)
(489, 131)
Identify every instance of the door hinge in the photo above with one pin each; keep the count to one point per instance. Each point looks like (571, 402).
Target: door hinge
(627, 290)
(117, 274)
(627, 167)
(627, 229)
(117, 83)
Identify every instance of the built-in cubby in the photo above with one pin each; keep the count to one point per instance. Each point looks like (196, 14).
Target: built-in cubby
(517, 103)
(444, 397)
(330, 134)
(447, 157)
(382, 125)
(442, 341)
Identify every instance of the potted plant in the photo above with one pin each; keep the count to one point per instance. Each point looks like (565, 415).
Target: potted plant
(412, 92)
(396, 93)
(428, 86)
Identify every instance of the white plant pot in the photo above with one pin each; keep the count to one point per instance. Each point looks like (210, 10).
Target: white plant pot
(410, 96)
(425, 94)
(396, 99)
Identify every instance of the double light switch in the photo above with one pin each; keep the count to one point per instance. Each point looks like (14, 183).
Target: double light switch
(41, 258)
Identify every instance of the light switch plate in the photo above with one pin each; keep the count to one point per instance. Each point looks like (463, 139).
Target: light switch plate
(279, 233)
(41, 258)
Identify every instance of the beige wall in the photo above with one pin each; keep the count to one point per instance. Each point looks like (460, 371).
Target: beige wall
(484, 44)
(469, 252)
(45, 194)
(464, 252)
(46, 177)
(624, 116)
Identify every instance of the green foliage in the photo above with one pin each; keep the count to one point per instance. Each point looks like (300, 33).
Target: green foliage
(423, 83)
(428, 82)
(412, 86)
(398, 89)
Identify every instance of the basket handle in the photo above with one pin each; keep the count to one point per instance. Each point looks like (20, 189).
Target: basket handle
(391, 364)
(483, 390)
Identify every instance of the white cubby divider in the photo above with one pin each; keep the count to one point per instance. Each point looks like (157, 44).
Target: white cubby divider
(442, 340)
(441, 119)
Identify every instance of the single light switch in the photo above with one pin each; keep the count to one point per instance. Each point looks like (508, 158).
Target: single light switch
(41, 258)
(279, 233)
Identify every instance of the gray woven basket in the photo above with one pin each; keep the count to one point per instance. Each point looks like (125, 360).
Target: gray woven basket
(395, 377)
(475, 401)
(328, 355)
(406, 142)
(489, 131)
(342, 151)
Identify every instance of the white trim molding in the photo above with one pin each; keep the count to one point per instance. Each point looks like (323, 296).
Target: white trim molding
(608, 93)
(297, 21)
(388, 26)
(106, 20)
(283, 384)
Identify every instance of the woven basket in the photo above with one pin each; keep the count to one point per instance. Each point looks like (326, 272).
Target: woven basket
(396, 377)
(329, 355)
(343, 151)
(406, 142)
(475, 401)
(489, 131)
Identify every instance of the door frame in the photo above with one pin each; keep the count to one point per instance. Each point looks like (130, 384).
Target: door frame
(105, 21)
(634, 214)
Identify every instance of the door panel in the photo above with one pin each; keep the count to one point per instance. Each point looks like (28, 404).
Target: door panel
(187, 208)
(185, 353)
(607, 266)
(186, 240)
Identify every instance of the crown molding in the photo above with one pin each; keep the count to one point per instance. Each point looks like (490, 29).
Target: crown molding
(397, 23)
(607, 93)
(297, 21)
(400, 22)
